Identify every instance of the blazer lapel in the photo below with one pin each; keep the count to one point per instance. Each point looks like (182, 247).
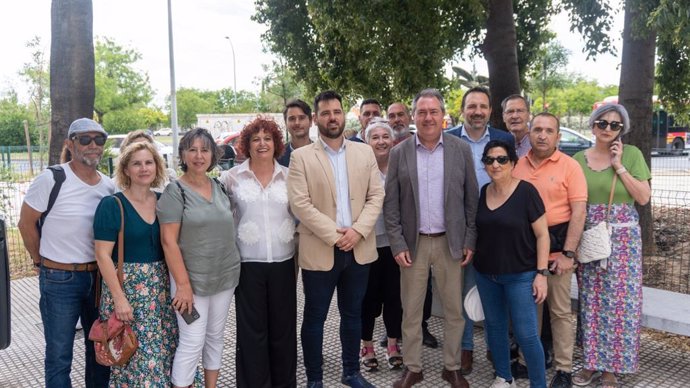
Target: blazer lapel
(410, 155)
(326, 166)
(447, 166)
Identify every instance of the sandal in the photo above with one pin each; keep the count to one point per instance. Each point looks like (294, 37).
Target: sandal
(368, 358)
(585, 377)
(393, 356)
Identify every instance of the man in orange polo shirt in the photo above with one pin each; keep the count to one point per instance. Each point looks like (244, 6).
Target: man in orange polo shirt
(562, 186)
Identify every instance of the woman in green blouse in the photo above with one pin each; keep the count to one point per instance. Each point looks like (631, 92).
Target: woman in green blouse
(611, 289)
(144, 298)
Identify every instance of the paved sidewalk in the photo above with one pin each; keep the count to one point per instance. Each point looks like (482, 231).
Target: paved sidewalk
(21, 365)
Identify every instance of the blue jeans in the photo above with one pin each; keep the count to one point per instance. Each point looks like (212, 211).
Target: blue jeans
(510, 296)
(67, 296)
(351, 279)
(467, 284)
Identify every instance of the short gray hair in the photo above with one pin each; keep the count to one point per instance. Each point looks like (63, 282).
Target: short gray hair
(606, 108)
(430, 92)
(377, 122)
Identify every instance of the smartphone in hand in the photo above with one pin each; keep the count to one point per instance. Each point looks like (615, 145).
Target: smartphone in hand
(190, 317)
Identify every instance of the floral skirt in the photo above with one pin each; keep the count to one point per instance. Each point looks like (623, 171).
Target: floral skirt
(147, 287)
(611, 298)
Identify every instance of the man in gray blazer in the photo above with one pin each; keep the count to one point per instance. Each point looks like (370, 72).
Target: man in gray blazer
(429, 209)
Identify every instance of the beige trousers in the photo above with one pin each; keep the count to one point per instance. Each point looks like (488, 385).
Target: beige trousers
(432, 252)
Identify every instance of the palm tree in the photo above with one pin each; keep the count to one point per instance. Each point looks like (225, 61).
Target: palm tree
(72, 83)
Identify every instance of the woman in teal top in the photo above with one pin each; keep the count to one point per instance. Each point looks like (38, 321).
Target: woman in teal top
(610, 290)
(144, 298)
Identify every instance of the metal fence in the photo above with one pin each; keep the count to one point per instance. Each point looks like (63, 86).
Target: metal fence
(668, 268)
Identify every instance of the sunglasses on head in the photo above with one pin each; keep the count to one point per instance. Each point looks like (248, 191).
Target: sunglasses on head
(602, 124)
(86, 140)
(488, 160)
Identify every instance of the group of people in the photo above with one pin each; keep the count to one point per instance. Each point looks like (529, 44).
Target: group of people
(373, 217)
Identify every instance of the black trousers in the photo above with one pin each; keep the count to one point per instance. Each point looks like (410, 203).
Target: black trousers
(383, 294)
(266, 303)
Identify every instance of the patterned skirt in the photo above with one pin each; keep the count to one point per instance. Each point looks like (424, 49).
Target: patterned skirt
(147, 287)
(611, 297)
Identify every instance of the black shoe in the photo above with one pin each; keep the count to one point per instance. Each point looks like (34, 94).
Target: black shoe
(518, 371)
(562, 380)
(356, 381)
(428, 339)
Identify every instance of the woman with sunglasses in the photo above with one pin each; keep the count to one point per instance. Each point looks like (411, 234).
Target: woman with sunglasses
(511, 262)
(611, 290)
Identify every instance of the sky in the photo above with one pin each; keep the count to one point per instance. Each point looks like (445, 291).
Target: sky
(203, 57)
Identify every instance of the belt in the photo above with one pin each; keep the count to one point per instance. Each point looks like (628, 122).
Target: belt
(439, 234)
(82, 267)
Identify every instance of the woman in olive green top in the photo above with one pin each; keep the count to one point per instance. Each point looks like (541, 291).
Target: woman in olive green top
(198, 235)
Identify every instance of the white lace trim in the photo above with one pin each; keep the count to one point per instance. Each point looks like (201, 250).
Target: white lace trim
(248, 232)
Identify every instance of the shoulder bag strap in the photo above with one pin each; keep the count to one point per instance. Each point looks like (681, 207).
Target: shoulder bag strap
(120, 243)
(613, 189)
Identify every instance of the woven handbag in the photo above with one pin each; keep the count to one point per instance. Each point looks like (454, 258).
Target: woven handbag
(595, 243)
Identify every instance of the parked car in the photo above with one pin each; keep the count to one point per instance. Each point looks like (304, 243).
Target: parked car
(163, 132)
(115, 141)
(226, 141)
(572, 142)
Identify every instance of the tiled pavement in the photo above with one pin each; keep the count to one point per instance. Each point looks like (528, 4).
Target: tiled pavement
(21, 365)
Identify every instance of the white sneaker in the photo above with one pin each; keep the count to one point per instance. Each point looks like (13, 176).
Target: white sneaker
(501, 383)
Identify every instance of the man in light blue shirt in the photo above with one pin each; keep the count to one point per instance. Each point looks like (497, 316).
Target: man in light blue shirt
(476, 110)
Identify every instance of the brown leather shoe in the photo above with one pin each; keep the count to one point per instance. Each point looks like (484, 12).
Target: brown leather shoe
(466, 362)
(454, 377)
(408, 379)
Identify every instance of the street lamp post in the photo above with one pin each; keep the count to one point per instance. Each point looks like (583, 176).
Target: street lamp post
(234, 70)
(173, 94)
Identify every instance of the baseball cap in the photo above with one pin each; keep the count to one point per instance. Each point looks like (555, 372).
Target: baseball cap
(84, 125)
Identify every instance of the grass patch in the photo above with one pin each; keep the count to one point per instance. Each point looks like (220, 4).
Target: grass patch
(21, 265)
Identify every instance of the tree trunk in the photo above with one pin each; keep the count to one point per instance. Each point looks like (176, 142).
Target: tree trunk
(635, 93)
(72, 84)
(500, 50)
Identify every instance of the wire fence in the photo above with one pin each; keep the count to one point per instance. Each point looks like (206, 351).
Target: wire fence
(668, 268)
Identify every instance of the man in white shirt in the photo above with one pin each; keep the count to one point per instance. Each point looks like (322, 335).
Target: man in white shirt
(516, 116)
(63, 250)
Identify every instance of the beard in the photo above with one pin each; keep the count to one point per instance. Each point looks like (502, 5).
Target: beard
(331, 133)
(91, 159)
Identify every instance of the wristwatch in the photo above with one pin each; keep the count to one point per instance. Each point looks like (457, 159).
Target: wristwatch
(544, 272)
(569, 254)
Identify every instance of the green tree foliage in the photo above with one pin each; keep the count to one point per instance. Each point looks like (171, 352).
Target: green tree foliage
(12, 116)
(279, 85)
(575, 99)
(385, 49)
(119, 85)
(191, 102)
(36, 74)
(548, 71)
(129, 119)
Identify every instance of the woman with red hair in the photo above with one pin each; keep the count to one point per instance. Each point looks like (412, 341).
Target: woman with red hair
(266, 299)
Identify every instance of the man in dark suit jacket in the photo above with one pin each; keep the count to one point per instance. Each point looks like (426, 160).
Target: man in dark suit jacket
(429, 209)
(297, 116)
(476, 110)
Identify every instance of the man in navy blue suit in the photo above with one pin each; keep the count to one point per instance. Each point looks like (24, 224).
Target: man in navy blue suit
(476, 110)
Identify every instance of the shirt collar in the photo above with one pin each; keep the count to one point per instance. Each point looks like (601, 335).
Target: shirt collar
(419, 143)
(463, 133)
(277, 169)
(553, 158)
(327, 148)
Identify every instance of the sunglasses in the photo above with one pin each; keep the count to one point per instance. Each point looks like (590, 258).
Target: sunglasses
(488, 160)
(86, 140)
(602, 124)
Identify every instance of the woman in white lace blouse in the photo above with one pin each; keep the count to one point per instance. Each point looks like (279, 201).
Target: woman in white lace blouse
(266, 298)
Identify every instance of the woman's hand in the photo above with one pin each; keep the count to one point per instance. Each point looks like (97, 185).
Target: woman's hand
(539, 289)
(123, 310)
(616, 150)
(183, 299)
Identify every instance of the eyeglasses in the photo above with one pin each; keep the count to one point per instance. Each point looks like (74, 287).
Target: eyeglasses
(86, 140)
(614, 125)
(488, 160)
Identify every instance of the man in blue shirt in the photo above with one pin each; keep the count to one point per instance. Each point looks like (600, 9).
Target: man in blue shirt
(476, 111)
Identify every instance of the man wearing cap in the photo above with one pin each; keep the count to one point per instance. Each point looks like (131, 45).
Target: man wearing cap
(63, 252)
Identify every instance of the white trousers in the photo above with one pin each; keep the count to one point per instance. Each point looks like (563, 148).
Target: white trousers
(203, 336)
